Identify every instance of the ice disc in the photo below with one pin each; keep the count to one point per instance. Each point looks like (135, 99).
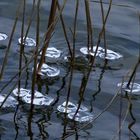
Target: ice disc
(81, 116)
(66, 109)
(26, 92)
(52, 53)
(111, 55)
(42, 100)
(85, 51)
(133, 87)
(71, 107)
(22, 92)
(3, 36)
(49, 71)
(28, 41)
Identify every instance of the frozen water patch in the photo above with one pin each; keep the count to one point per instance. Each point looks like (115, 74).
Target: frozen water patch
(53, 52)
(71, 107)
(49, 71)
(10, 101)
(85, 51)
(3, 36)
(22, 92)
(39, 98)
(133, 87)
(81, 116)
(110, 55)
(28, 41)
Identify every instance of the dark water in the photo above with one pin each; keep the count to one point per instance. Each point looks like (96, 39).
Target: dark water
(122, 35)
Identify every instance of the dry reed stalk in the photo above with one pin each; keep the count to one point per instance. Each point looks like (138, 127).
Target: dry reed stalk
(74, 29)
(48, 34)
(133, 72)
(30, 20)
(104, 34)
(34, 77)
(89, 25)
(86, 77)
(10, 41)
(64, 30)
(51, 24)
(22, 43)
(73, 54)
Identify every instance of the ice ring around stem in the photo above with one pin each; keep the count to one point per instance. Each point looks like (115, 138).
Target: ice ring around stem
(49, 71)
(81, 116)
(110, 55)
(71, 107)
(39, 98)
(28, 41)
(52, 53)
(85, 51)
(132, 88)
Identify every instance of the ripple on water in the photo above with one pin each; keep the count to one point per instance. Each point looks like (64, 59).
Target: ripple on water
(10, 101)
(28, 41)
(133, 87)
(3, 36)
(39, 98)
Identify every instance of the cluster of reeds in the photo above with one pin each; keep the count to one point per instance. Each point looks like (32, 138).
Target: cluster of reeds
(56, 14)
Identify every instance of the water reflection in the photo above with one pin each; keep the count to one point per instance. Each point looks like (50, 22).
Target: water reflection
(132, 124)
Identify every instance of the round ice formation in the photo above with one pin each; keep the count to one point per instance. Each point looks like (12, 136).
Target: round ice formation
(49, 71)
(3, 36)
(38, 100)
(85, 51)
(10, 101)
(133, 87)
(70, 108)
(81, 116)
(110, 55)
(28, 41)
(52, 52)
(22, 92)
